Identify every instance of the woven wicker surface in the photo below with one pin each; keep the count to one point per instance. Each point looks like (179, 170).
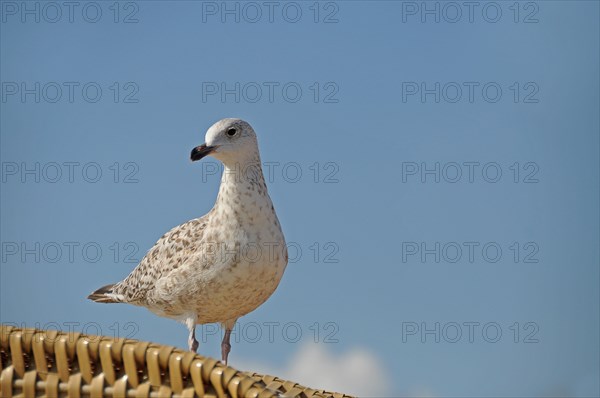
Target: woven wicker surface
(38, 363)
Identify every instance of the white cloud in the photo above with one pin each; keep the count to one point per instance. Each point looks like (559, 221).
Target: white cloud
(356, 371)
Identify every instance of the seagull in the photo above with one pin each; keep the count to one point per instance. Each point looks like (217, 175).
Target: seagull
(223, 265)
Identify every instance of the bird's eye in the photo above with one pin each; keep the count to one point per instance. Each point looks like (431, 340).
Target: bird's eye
(231, 132)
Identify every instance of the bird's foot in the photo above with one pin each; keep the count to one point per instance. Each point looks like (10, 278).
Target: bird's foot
(225, 349)
(193, 344)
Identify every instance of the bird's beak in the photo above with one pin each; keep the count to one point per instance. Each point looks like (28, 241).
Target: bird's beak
(201, 151)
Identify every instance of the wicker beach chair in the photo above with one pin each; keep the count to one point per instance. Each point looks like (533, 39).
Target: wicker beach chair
(44, 363)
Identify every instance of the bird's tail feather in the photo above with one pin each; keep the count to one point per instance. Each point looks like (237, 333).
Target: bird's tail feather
(105, 295)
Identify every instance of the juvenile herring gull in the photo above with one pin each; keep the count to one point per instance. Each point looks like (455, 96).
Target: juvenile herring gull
(223, 265)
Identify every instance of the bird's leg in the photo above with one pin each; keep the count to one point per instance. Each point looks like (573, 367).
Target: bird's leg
(225, 345)
(192, 342)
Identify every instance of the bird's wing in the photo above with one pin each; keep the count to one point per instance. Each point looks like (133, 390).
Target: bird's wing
(167, 254)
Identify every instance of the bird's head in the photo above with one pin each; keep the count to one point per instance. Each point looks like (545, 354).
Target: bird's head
(230, 141)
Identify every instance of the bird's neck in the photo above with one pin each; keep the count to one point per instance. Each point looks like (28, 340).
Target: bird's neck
(243, 202)
(242, 184)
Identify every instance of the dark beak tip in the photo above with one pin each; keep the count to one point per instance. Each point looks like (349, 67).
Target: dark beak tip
(194, 155)
(200, 151)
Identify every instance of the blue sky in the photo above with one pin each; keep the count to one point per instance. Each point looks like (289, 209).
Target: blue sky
(436, 173)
